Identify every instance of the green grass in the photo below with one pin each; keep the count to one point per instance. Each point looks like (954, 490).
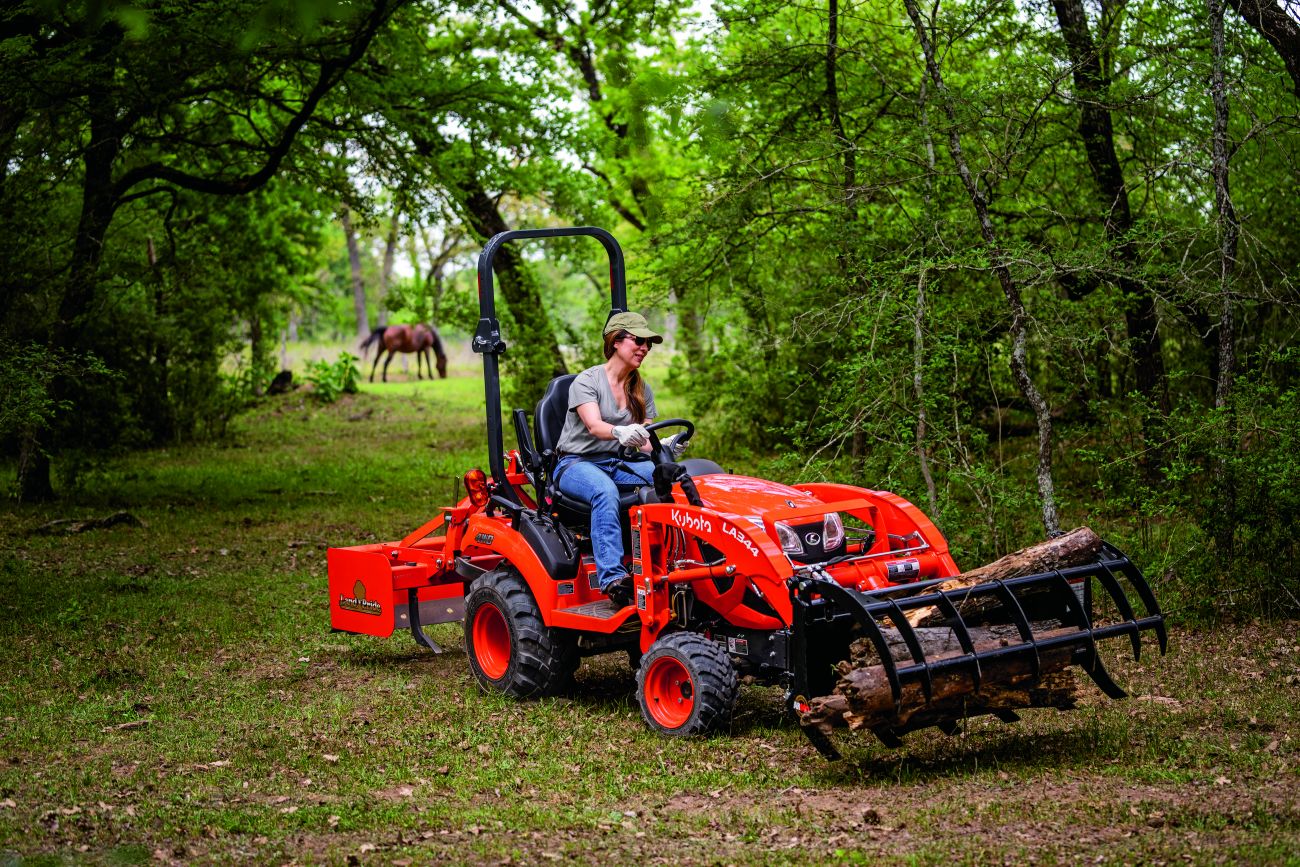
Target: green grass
(173, 693)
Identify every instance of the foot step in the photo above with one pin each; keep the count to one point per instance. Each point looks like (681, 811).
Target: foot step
(601, 609)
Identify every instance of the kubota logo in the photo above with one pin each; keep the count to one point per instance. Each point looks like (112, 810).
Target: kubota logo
(358, 601)
(813, 539)
(687, 521)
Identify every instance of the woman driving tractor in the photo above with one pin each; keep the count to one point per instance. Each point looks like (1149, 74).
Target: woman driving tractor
(609, 406)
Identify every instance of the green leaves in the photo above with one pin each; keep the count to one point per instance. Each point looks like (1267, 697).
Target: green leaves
(332, 379)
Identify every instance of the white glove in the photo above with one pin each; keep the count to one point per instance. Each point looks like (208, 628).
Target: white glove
(677, 444)
(631, 436)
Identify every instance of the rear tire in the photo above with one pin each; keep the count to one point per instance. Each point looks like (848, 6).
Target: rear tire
(686, 685)
(510, 649)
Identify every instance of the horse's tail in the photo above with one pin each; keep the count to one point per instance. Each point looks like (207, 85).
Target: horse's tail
(375, 334)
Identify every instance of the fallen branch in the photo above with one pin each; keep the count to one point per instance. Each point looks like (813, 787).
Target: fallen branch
(70, 526)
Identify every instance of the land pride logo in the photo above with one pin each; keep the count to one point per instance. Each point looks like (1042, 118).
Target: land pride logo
(358, 601)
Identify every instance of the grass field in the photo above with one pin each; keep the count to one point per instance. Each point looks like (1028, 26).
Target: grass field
(172, 693)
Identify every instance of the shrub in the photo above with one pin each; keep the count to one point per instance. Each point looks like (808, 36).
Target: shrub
(333, 378)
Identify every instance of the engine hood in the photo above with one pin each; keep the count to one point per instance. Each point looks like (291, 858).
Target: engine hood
(742, 496)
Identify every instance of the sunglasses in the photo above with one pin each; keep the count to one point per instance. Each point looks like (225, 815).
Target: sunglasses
(639, 341)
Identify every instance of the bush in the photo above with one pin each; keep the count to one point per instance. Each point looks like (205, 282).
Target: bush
(332, 379)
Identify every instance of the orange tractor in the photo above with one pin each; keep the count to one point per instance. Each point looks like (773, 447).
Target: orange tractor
(734, 575)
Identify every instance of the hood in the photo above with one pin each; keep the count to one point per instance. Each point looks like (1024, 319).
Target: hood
(742, 496)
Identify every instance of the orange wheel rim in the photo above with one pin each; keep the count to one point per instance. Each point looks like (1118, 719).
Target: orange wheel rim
(491, 641)
(669, 692)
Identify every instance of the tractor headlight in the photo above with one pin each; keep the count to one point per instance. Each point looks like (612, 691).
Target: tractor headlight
(832, 531)
(785, 534)
(789, 539)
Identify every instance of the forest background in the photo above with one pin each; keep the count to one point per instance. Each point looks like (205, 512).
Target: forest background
(1030, 264)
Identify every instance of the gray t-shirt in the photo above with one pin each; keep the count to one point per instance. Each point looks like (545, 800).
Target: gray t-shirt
(592, 386)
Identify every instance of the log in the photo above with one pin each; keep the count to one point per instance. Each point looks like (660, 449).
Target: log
(1057, 689)
(863, 698)
(1075, 548)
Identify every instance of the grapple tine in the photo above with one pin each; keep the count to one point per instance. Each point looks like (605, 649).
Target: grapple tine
(888, 737)
(1072, 606)
(913, 646)
(1108, 580)
(1144, 593)
(1022, 623)
(1100, 676)
(877, 637)
(944, 604)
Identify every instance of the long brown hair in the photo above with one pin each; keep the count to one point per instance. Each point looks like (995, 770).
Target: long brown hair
(633, 388)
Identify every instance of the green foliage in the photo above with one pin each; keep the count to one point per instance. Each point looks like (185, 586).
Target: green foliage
(28, 401)
(332, 379)
(1234, 472)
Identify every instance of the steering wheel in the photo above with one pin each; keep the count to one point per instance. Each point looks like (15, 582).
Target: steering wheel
(659, 454)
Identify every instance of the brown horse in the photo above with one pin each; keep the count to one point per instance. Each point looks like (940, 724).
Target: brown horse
(407, 338)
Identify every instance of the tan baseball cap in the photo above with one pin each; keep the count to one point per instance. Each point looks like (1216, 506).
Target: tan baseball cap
(634, 324)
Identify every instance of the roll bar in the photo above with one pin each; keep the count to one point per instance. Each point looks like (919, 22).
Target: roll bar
(487, 336)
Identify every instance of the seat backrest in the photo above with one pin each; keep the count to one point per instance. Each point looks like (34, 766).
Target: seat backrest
(552, 409)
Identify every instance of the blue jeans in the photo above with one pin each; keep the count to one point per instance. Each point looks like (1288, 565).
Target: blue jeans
(596, 482)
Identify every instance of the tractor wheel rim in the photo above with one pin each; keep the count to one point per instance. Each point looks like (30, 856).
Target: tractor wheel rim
(669, 692)
(491, 641)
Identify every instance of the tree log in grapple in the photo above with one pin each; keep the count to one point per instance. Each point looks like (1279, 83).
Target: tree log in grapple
(1070, 549)
(974, 649)
(863, 698)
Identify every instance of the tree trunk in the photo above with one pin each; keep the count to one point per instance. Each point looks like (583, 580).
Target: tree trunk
(1229, 230)
(535, 352)
(358, 286)
(386, 272)
(1281, 30)
(1092, 86)
(1019, 316)
(258, 355)
(863, 698)
(918, 318)
(1074, 548)
(33, 471)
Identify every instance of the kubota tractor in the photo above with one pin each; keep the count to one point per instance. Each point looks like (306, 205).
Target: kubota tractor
(734, 575)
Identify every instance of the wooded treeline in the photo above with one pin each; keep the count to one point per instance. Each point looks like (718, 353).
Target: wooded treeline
(1013, 260)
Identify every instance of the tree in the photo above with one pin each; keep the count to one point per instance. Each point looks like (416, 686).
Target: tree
(148, 100)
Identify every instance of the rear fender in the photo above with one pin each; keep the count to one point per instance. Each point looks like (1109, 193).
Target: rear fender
(496, 536)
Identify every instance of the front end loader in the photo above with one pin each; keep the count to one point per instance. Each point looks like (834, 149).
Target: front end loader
(846, 597)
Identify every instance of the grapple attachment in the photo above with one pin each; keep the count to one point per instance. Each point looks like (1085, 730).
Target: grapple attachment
(917, 655)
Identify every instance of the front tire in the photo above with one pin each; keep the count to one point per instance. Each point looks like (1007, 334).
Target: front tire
(686, 685)
(511, 650)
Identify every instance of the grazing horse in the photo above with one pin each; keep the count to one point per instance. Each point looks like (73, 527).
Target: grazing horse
(407, 338)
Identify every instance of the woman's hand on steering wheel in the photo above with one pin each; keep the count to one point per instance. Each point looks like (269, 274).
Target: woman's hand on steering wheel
(661, 452)
(631, 436)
